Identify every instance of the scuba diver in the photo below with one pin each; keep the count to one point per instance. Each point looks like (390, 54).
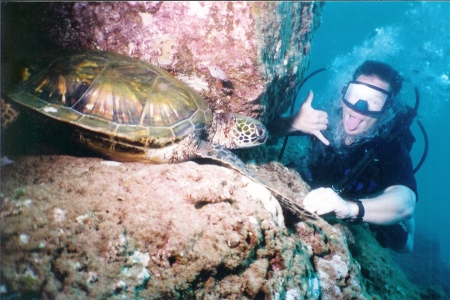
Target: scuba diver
(382, 193)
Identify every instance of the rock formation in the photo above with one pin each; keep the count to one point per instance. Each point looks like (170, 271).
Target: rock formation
(86, 228)
(245, 57)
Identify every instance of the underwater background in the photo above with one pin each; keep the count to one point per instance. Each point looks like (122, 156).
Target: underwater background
(414, 38)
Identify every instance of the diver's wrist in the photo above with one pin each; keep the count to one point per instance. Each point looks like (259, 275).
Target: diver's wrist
(356, 211)
(353, 209)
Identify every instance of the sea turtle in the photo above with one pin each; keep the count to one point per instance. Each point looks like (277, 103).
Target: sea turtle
(129, 110)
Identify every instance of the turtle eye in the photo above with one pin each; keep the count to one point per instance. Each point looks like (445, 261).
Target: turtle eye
(261, 131)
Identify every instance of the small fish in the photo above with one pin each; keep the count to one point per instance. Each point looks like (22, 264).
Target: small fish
(218, 73)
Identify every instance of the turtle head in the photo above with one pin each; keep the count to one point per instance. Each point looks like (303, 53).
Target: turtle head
(236, 131)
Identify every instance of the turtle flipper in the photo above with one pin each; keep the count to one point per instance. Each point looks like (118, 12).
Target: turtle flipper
(229, 159)
(223, 156)
(292, 206)
(8, 114)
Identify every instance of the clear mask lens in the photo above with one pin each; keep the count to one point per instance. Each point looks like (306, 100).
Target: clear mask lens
(365, 98)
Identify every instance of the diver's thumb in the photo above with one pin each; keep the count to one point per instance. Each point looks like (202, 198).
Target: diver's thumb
(308, 99)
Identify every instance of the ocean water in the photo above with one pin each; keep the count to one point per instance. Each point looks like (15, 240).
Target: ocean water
(414, 37)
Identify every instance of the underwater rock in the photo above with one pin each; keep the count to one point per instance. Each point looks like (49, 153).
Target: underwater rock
(244, 57)
(96, 230)
(82, 227)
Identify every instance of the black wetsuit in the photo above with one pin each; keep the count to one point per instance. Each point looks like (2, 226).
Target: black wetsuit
(324, 166)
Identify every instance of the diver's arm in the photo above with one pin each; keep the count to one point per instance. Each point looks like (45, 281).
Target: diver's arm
(394, 205)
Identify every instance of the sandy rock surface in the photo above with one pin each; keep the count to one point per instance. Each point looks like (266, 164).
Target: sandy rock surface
(78, 228)
(81, 227)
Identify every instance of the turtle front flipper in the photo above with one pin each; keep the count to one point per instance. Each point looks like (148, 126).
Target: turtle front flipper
(292, 206)
(9, 114)
(223, 156)
(229, 159)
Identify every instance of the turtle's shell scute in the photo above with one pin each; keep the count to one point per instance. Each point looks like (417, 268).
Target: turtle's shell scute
(116, 96)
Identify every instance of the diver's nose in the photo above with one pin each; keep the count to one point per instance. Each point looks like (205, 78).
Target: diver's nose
(362, 105)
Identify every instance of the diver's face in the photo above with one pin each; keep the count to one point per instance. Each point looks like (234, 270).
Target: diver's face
(354, 122)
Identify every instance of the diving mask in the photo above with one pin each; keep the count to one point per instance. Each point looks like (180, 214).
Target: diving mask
(365, 98)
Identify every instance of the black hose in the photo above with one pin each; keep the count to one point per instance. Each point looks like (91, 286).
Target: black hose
(424, 133)
(425, 150)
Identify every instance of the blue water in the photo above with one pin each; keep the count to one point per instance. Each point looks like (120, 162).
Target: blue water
(415, 39)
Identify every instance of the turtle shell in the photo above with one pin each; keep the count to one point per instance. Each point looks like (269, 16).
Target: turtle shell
(111, 97)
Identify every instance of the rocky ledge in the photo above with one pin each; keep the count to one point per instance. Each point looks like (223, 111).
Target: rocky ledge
(78, 228)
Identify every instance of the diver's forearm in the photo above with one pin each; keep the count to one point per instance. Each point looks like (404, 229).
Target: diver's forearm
(394, 205)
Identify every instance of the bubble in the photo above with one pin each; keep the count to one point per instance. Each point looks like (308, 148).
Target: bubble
(417, 46)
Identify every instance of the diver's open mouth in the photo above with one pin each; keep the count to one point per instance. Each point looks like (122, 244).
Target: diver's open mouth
(353, 123)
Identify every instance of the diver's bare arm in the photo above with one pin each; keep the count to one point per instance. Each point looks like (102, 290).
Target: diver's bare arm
(395, 204)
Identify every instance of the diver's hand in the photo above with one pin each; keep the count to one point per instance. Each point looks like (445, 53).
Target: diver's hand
(324, 200)
(309, 120)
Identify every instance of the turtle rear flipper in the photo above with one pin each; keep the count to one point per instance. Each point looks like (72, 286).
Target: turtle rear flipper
(8, 114)
(229, 159)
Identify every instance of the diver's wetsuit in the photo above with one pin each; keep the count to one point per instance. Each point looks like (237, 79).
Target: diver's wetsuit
(324, 166)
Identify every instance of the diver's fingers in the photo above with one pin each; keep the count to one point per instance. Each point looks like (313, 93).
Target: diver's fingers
(323, 116)
(320, 136)
(320, 127)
